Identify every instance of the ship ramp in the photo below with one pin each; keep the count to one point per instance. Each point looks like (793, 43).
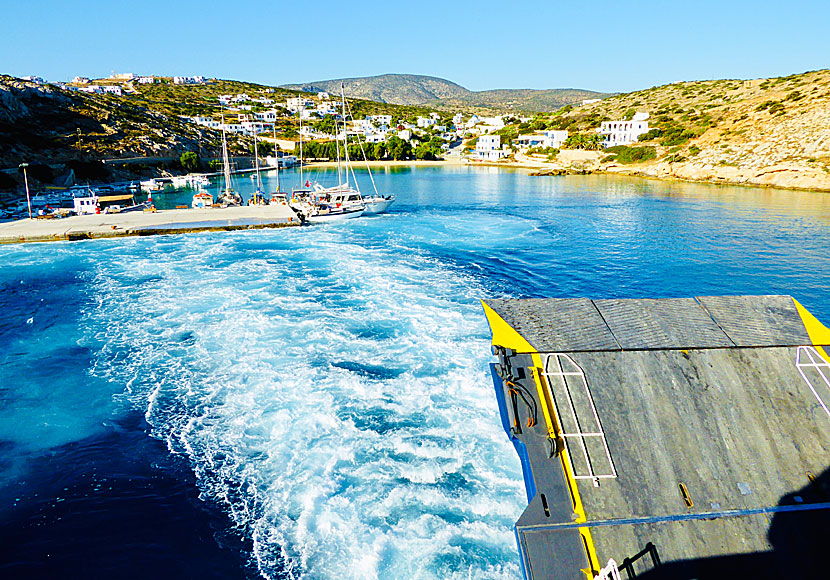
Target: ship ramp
(667, 438)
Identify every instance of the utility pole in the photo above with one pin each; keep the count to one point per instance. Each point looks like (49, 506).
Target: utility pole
(23, 166)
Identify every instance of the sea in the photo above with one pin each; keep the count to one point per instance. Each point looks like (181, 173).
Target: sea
(315, 402)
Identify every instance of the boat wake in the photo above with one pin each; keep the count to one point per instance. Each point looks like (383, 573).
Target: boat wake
(329, 395)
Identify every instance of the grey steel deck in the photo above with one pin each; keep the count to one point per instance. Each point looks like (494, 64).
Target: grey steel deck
(700, 392)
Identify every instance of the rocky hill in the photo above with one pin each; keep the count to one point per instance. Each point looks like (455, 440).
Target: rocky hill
(48, 126)
(443, 94)
(44, 124)
(764, 131)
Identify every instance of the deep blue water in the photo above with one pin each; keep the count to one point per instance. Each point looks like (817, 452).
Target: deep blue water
(315, 402)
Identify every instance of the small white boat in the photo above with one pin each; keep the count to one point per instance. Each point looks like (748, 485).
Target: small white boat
(377, 203)
(152, 185)
(202, 199)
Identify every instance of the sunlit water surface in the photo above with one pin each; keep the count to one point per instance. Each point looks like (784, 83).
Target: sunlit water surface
(317, 399)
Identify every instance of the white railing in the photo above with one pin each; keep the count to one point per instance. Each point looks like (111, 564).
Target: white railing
(554, 370)
(821, 366)
(610, 572)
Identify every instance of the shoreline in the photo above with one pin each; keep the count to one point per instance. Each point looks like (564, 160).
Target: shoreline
(574, 167)
(390, 163)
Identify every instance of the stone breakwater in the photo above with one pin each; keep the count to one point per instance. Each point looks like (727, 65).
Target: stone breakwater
(147, 223)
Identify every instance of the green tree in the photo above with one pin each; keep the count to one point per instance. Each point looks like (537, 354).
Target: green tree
(189, 161)
(398, 148)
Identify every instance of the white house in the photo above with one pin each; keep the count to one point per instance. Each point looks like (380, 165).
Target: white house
(488, 148)
(590, 101)
(424, 122)
(197, 80)
(123, 76)
(323, 96)
(381, 120)
(295, 104)
(623, 132)
(490, 124)
(405, 134)
(34, 79)
(146, 80)
(81, 80)
(92, 89)
(545, 139)
(363, 125)
(112, 89)
(270, 115)
(457, 119)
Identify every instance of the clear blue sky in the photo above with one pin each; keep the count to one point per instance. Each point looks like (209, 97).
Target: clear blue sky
(601, 45)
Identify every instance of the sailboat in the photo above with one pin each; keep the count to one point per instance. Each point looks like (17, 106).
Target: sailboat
(372, 204)
(258, 198)
(278, 197)
(228, 196)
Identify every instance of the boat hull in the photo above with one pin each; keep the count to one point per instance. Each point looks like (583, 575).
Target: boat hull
(380, 206)
(334, 216)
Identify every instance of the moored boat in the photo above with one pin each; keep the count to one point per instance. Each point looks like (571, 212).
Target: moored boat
(202, 199)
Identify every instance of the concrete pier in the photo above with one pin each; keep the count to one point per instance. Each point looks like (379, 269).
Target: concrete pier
(147, 223)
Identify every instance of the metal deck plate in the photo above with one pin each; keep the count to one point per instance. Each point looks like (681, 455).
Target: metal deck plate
(674, 323)
(557, 324)
(758, 320)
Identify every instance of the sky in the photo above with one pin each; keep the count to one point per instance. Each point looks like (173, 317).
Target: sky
(602, 45)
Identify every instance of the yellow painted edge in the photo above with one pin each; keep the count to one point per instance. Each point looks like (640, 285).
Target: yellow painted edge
(818, 333)
(506, 336)
(554, 431)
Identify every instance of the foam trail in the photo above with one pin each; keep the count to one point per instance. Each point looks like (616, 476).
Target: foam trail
(332, 395)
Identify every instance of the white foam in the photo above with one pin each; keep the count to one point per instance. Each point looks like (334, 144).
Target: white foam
(332, 395)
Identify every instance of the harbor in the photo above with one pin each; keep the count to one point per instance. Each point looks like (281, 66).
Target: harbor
(328, 387)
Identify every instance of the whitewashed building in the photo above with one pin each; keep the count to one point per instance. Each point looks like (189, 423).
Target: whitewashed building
(112, 89)
(381, 120)
(81, 80)
(623, 132)
(488, 148)
(146, 80)
(295, 104)
(197, 80)
(545, 140)
(34, 79)
(424, 122)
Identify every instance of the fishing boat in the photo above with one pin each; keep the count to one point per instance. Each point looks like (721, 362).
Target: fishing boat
(202, 199)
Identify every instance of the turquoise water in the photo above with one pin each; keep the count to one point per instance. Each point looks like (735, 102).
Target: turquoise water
(316, 401)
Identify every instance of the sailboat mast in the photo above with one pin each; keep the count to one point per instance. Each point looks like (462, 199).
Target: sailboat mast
(277, 157)
(225, 161)
(256, 163)
(300, 113)
(337, 146)
(345, 132)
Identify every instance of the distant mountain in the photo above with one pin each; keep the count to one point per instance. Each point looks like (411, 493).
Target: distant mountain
(435, 92)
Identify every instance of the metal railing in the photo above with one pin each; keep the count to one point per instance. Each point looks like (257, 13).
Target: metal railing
(609, 572)
(575, 434)
(821, 366)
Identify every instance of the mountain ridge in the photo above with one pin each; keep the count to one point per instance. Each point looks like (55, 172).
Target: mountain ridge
(409, 89)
